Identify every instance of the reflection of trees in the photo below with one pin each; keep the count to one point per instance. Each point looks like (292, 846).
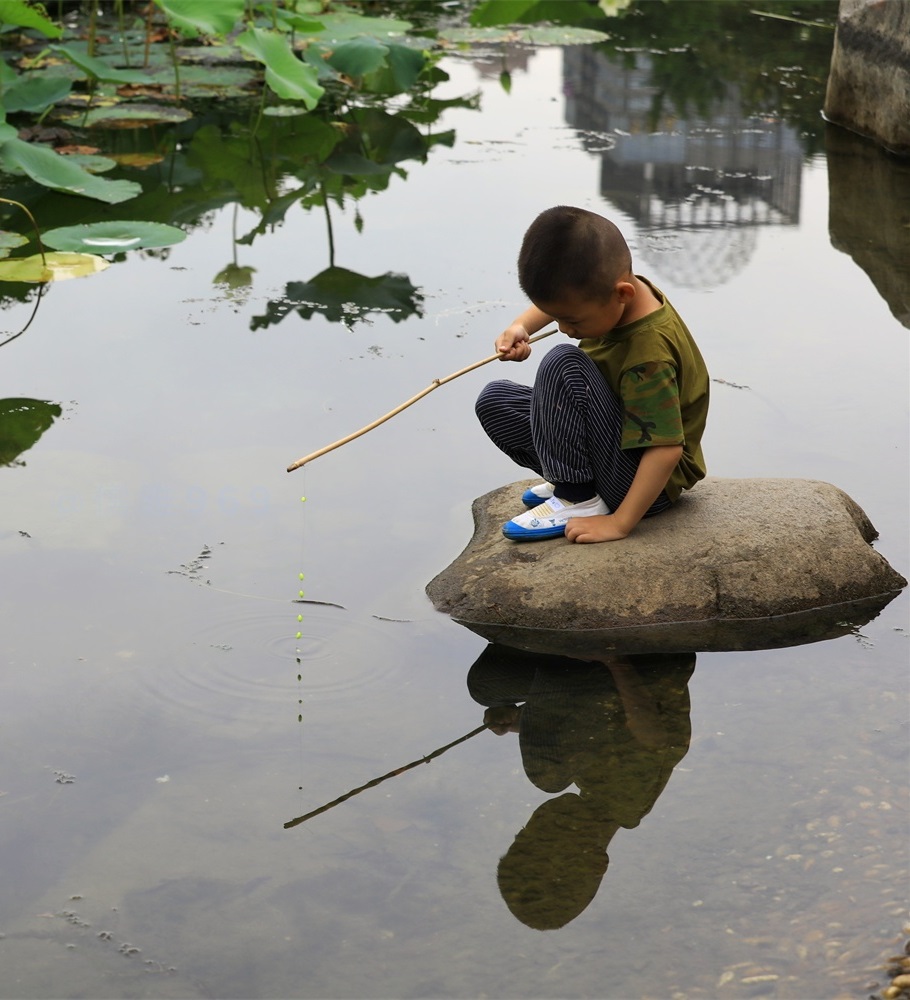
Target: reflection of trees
(343, 296)
(339, 155)
(614, 729)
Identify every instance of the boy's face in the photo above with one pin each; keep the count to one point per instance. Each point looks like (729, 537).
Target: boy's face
(582, 317)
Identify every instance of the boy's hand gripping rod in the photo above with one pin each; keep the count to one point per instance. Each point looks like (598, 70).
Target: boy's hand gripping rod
(435, 384)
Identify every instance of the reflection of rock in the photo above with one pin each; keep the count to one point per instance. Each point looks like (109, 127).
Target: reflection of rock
(869, 83)
(735, 564)
(869, 214)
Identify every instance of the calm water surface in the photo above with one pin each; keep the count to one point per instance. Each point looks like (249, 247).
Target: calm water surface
(162, 721)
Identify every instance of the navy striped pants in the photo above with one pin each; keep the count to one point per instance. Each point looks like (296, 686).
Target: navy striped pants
(567, 428)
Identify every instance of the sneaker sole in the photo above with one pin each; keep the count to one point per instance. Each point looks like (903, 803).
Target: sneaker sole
(515, 532)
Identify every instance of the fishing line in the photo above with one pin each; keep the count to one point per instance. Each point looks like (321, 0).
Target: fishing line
(298, 632)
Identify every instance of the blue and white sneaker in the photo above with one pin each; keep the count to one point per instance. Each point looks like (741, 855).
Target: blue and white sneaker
(548, 520)
(537, 494)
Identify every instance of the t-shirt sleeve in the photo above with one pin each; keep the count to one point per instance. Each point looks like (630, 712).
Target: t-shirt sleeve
(651, 414)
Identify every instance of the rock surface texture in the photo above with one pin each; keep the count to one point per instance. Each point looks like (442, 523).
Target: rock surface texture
(869, 82)
(735, 564)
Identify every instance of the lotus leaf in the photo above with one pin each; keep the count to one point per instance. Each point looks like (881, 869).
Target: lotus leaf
(35, 93)
(9, 241)
(289, 77)
(55, 171)
(113, 236)
(98, 69)
(23, 15)
(203, 16)
(51, 267)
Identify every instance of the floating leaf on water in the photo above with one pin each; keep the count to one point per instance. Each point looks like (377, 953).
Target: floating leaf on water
(284, 111)
(340, 25)
(138, 160)
(530, 35)
(135, 116)
(210, 81)
(92, 162)
(9, 241)
(52, 267)
(113, 235)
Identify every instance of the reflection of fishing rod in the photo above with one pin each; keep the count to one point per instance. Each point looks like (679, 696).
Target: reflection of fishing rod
(378, 781)
(435, 384)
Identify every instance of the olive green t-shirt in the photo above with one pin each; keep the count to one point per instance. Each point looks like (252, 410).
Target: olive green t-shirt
(655, 368)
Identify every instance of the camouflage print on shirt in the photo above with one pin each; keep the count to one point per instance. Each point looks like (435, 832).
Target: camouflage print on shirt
(650, 399)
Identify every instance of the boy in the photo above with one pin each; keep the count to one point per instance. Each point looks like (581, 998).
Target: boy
(614, 424)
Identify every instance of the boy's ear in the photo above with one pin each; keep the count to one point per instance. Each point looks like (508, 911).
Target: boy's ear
(625, 291)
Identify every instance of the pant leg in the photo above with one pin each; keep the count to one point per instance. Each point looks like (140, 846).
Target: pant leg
(567, 429)
(576, 427)
(504, 411)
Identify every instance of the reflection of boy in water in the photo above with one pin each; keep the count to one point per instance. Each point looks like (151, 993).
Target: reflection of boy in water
(614, 729)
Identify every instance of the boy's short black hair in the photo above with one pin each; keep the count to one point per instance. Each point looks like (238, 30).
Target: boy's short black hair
(570, 249)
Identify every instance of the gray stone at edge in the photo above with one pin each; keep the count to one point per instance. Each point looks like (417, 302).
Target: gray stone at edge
(734, 564)
(869, 81)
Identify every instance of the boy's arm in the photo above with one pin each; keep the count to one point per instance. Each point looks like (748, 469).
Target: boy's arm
(654, 470)
(512, 344)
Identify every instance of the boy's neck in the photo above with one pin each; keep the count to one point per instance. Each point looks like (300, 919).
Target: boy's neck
(644, 303)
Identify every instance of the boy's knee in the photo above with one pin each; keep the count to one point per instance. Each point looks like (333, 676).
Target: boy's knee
(490, 397)
(560, 358)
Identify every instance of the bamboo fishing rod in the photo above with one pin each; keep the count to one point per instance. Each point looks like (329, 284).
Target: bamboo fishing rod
(435, 384)
(378, 781)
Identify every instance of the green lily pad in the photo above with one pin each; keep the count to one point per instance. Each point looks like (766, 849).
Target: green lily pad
(94, 163)
(134, 116)
(9, 241)
(113, 236)
(51, 267)
(339, 25)
(529, 34)
(284, 111)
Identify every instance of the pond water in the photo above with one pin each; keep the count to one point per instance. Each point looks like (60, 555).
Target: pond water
(165, 724)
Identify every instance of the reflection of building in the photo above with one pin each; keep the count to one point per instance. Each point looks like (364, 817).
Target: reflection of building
(695, 184)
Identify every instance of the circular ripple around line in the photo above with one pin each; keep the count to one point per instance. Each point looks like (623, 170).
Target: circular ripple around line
(251, 661)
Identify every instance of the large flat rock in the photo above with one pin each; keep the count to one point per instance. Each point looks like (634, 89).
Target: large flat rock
(735, 564)
(869, 82)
